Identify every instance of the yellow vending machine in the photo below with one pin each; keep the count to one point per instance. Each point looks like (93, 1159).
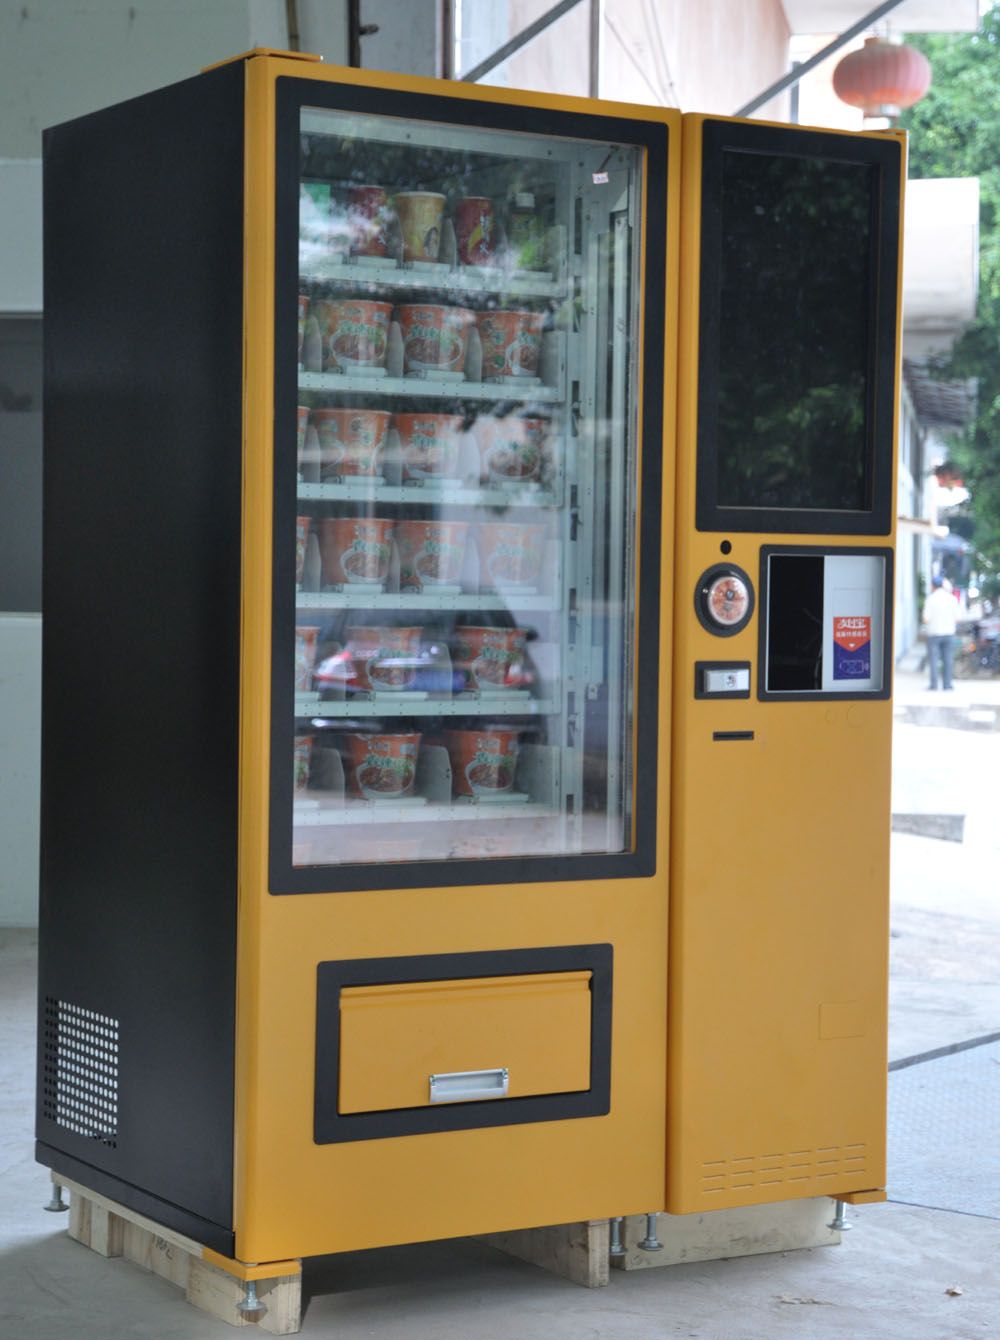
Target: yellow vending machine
(785, 531)
(359, 530)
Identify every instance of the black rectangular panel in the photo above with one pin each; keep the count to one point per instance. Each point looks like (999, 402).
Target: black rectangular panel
(141, 598)
(332, 1127)
(799, 282)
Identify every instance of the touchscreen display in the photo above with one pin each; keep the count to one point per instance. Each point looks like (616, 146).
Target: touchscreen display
(796, 307)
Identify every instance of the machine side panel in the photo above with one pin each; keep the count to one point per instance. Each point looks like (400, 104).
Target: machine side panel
(780, 823)
(143, 485)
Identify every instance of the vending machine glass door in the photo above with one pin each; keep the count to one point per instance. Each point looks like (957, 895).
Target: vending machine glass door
(457, 489)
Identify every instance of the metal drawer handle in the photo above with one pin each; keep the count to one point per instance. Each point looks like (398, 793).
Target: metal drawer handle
(462, 1086)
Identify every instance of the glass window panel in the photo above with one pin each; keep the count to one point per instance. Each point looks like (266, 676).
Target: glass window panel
(466, 480)
(794, 358)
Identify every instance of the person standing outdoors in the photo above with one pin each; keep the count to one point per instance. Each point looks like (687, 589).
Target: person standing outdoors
(941, 618)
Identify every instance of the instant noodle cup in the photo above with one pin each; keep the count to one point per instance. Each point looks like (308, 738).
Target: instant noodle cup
(383, 767)
(430, 553)
(510, 449)
(490, 659)
(384, 659)
(420, 214)
(301, 540)
(483, 762)
(303, 317)
(475, 230)
(351, 441)
(430, 444)
(305, 657)
(509, 554)
(435, 337)
(368, 215)
(355, 333)
(355, 551)
(512, 343)
(301, 759)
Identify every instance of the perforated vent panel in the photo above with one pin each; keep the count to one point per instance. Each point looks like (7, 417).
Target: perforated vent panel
(80, 1086)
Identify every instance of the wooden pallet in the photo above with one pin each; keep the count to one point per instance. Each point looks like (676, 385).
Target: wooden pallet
(212, 1283)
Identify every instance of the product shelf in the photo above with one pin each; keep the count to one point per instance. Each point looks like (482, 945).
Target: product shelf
(428, 388)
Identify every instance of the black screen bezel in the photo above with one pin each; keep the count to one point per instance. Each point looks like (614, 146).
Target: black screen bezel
(651, 136)
(885, 155)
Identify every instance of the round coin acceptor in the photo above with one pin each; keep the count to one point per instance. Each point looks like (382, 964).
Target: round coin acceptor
(368, 883)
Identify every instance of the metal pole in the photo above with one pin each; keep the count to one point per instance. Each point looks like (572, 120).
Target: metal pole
(596, 46)
(448, 39)
(519, 40)
(793, 77)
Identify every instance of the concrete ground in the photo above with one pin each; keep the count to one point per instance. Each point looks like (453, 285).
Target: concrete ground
(925, 1266)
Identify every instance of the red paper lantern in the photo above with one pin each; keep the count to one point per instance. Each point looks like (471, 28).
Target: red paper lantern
(882, 77)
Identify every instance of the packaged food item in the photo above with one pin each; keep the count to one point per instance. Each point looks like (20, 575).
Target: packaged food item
(475, 230)
(300, 762)
(301, 540)
(383, 767)
(510, 554)
(511, 449)
(430, 444)
(302, 412)
(303, 318)
(435, 338)
(483, 762)
(384, 659)
(305, 657)
(525, 233)
(431, 553)
(512, 343)
(355, 550)
(351, 441)
(368, 217)
(354, 331)
(490, 659)
(420, 214)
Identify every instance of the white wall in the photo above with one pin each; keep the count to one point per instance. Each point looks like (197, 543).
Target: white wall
(57, 61)
(20, 730)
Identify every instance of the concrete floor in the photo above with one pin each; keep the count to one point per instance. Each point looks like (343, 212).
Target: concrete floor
(891, 1276)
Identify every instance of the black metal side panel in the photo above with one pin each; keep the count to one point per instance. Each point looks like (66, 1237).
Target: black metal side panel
(141, 604)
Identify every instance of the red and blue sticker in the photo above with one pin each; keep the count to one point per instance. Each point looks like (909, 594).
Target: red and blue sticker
(852, 646)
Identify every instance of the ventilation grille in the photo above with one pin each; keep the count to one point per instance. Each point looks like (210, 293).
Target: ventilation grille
(80, 1085)
(791, 1169)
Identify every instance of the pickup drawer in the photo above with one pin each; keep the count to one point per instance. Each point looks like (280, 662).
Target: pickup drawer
(395, 1036)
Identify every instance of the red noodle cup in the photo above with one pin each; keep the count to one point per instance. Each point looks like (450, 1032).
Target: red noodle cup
(305, 656)
(430, 553)
(384, 659)
(510, 449)
(351, 441)
(483, 762)
(300, 764)
(475, 230)
(512, 343)
(355, 332)
(303, 424)
(491, 659)
(420, 214)
(509, 554)
(303, 314)
(301, 540)
(367, 213)
(430, 444)
(355, 550)
(383, 767)
(435, 338)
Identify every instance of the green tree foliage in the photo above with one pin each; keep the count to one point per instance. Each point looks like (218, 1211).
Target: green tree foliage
(955, 132)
